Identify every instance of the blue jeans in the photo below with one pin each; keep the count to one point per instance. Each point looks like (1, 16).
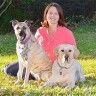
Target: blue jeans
(12, 69)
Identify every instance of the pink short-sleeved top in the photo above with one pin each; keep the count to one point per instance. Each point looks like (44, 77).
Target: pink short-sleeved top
(50, 42)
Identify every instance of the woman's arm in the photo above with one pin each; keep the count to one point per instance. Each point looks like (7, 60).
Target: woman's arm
(39, 37)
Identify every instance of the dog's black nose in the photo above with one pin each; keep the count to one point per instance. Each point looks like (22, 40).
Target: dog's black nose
(62, 50)
(21, 33)
(66, 57)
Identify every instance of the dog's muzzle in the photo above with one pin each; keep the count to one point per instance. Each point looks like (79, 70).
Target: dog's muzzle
(22, 34)
(66, 57)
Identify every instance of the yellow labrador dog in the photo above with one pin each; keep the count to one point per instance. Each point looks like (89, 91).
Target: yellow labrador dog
(66, 70)
(30, 55)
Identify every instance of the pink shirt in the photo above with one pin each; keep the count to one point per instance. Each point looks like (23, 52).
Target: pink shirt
(49, 43)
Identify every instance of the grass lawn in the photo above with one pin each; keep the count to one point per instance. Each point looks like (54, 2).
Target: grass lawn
(85, 37)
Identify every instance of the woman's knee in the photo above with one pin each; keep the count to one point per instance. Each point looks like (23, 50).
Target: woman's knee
(11, 69)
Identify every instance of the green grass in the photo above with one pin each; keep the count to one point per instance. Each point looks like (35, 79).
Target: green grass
(87, 46)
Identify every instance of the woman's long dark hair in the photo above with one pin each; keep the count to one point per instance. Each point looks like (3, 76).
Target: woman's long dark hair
(61, 21)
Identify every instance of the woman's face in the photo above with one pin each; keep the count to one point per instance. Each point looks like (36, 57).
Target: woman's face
(52, 16)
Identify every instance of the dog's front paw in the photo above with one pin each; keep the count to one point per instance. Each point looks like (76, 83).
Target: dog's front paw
(70, 85)
(17, 82)
(24, 85)
(48, 84)
(37, 77)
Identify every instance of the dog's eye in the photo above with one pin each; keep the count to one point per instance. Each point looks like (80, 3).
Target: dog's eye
(18, 28)
(70, 50)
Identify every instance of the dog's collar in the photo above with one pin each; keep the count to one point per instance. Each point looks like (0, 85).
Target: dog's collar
(26, 40)
(62, 67)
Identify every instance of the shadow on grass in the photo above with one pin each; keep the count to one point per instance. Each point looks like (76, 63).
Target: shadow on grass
(89, 82)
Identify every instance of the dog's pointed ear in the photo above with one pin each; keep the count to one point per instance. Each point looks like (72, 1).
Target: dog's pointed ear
(76, 52)
(14, 22)
(28, 22)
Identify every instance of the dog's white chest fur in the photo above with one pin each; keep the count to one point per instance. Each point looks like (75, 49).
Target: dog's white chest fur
(23, 51)
(20, 47)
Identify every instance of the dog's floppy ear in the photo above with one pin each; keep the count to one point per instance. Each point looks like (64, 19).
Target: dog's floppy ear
(56, 51)
(14, 22)
(28, 22)
(76, 52)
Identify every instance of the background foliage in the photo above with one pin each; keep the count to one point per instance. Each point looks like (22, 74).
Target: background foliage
(75, 11)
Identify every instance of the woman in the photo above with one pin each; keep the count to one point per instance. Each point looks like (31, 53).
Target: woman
(52, 33)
